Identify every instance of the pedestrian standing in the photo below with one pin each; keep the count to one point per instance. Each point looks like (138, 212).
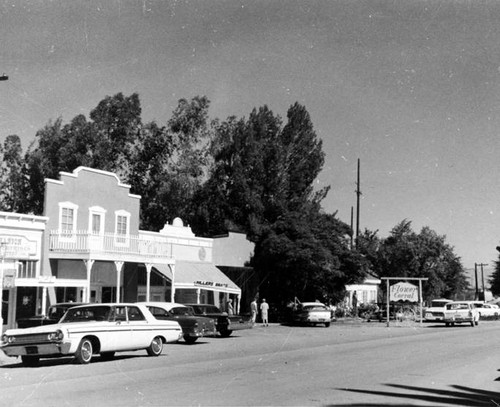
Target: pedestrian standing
(230, 309)
(264, 310)
(355, 304)
(253, 308)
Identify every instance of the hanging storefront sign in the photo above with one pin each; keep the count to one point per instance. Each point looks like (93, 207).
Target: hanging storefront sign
(17, 247)
(209, 284)
(404, 292)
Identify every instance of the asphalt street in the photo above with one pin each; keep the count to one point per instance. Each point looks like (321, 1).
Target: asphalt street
(348, 364)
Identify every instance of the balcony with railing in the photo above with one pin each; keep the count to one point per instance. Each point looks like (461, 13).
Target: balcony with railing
(108, 245)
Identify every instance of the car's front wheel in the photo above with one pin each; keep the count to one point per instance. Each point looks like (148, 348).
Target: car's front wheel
(84, 352)
(30, 361)
(327, 324)
(156, 347)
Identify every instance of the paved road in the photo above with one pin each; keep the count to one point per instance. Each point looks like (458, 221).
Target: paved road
(360, 364)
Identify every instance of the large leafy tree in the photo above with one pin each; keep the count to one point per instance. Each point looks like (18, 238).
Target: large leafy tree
(405, 253)
(12, 179)
(494, 280)
(170, 163)
(164, 164)
(117, 122)
(306, 255)
(105, 142)
(262, 184)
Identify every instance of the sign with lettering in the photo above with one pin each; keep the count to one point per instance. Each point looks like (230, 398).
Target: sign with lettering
(209, 284)
(17, 247)
(403, 292)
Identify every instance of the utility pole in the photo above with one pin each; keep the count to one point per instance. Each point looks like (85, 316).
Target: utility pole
(481, 297)
(482, 279)
(352, 227)
(358, 193)
(476, 296)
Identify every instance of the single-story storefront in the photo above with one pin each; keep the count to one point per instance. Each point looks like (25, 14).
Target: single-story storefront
(20, 255)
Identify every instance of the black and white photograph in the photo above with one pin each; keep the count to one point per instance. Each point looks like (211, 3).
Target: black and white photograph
(249, 203)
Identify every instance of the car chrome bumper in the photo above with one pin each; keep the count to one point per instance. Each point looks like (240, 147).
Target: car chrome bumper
(45, 349)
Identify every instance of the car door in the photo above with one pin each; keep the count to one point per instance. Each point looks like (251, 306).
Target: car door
(140, 330)
(118, 335)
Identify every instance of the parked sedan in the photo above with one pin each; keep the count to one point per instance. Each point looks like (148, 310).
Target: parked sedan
(487, 310)
(224, 324)
(92, 329)
(193, 326)
(311, 313)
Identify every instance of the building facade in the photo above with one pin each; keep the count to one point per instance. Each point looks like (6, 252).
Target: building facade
(21, 241)
(88, 248)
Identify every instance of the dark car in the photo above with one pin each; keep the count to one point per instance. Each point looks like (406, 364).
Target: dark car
(193, 326)
(54, 314)
(224, 324)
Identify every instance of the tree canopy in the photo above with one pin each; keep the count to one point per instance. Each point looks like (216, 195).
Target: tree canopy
(405, 253)
(252, 175)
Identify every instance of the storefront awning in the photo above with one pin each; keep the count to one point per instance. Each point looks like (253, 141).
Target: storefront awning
(202, 275)
(164, 270)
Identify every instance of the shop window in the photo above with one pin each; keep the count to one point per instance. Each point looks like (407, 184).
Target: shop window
(26, 269)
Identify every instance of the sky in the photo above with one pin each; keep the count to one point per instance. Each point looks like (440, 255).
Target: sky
(410, 88)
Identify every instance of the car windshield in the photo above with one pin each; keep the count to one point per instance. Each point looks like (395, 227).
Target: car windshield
(56, 312)
(85, 314)
(182, 311)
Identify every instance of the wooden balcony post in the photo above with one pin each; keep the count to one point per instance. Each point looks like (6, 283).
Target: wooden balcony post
(148, 279)
(88, 265)
(118, 265)
(172, 291)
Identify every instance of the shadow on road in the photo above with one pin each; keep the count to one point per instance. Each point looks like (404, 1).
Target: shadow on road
(458, 396)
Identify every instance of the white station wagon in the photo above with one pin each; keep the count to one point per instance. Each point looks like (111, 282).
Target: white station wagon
(92, 329)
(457, 312)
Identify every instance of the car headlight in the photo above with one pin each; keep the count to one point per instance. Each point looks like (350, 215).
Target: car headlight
(56, 336)
(8, 339)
